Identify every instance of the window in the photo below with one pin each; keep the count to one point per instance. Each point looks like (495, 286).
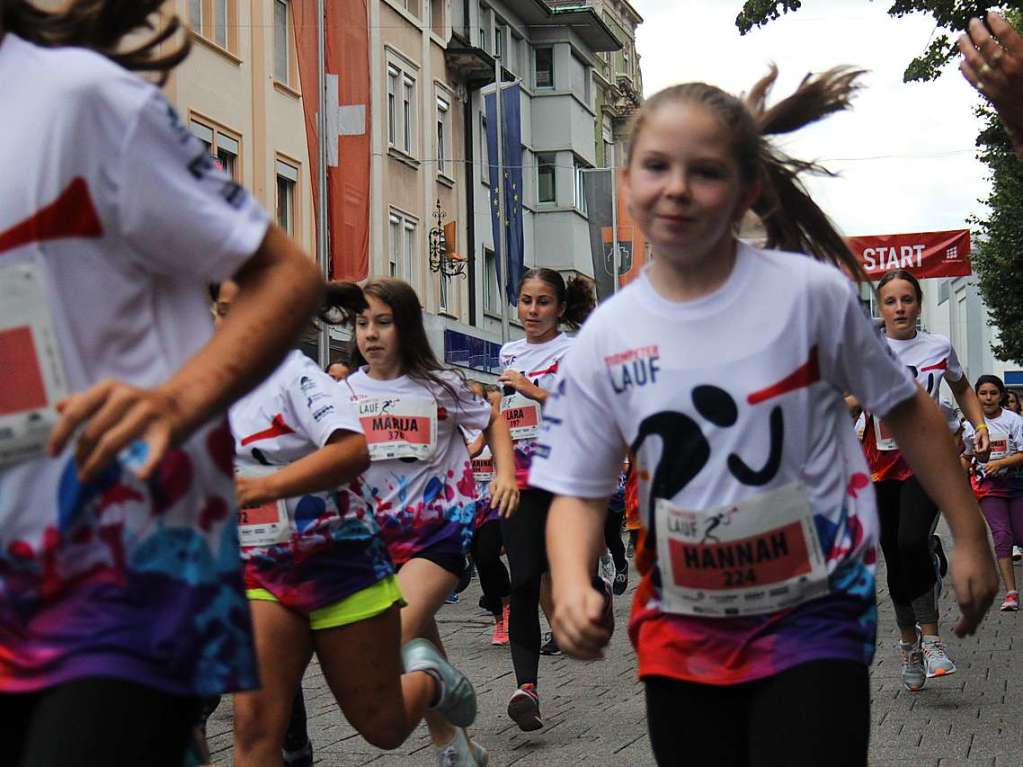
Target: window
(580, 80)
(543, 74)
(546, 167)
(499, 40)
(491, 286)
(412, 6)
(220, 22)
(227, 155)
(401, 251)
(281, 53)
(214, 20)
(513, 54)
(437, 17)
(410, 248)
(408, 111)
(392, 95)
(580, 190)
(401, 108)
(484, 151)
(443, 131)
(287, 180)
(394, 250)
(221, 144)
(485, 21)
(442, 296)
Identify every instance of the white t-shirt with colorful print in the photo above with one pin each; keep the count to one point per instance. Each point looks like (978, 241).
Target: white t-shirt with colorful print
(419, 503)
(539, 363)
(317, 549)
(759, 514)
(121, 218)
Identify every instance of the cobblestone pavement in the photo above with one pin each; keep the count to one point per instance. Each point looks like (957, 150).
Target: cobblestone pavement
(593, 712)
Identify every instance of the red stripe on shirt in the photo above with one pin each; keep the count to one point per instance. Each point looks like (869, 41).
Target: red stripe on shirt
(943, 365)
(72, 214)
(537, 373)
(277, 428)
(802, 377)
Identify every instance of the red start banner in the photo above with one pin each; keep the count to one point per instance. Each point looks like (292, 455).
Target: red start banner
(927, 254)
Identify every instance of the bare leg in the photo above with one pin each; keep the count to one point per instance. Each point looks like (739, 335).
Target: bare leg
(283, 649)
(425, 586)
(362, 665)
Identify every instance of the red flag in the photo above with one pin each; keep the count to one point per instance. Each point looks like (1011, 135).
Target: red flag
(348, 119)
(927, 254)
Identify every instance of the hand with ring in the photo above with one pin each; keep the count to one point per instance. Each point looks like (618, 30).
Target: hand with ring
(993, 64)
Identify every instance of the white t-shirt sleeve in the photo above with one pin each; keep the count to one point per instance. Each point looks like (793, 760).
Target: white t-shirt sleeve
(1016, 435)
(177, 211)
(318, 404)
(853, 356)
(954, 370)
(472, 413)
(580, 447)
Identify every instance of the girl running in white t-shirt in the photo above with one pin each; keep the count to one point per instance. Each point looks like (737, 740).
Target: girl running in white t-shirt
(998, 480)
(317, 573)
(722, 368)
(121, 599)
(907, 512)
(420, 483)
(530, 367)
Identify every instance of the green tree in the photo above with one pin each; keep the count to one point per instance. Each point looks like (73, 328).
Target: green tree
(998, 251)
(998, 258)
(950, 16)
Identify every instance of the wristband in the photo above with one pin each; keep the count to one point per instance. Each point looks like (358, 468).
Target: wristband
(978, 428)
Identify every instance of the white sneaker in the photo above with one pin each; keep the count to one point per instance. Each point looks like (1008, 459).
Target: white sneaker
(935, 658)
(914, 672)
(462, 752)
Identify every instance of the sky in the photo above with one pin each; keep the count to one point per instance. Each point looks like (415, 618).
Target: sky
(905, 152)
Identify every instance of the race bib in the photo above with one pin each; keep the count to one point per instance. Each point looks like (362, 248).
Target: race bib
(31, 370)
(758, 556)
(483, 466)
(264, 525)
(399, 427)
(522, 415)
(999, 441)
(883, 437)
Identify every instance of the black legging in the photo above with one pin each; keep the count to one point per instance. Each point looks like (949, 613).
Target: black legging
(525, 544)
(613, 539)
(96, 721)
(816, 713)
(486, 553)
(908, 516)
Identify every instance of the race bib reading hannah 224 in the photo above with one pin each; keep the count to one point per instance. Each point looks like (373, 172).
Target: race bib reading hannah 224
(758, 556)
(399, 427)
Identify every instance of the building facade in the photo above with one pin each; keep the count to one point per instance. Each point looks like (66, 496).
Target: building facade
(431, 64)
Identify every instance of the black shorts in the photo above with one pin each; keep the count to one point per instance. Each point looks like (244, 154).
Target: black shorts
(453, 563)
(96, 721)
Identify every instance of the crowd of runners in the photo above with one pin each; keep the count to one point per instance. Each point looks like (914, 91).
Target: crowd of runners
(189, 510)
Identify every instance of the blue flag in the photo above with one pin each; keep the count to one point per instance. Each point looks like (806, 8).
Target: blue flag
(511, 135)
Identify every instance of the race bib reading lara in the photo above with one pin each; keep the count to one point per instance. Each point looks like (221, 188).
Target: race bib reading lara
(754, 557)
(399, 427)
(31, 369)
(522, 415)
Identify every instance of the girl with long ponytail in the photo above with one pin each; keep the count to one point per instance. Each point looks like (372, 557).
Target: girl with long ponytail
(722, 371)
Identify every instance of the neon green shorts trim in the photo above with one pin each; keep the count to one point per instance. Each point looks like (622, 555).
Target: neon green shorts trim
(360, 606)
